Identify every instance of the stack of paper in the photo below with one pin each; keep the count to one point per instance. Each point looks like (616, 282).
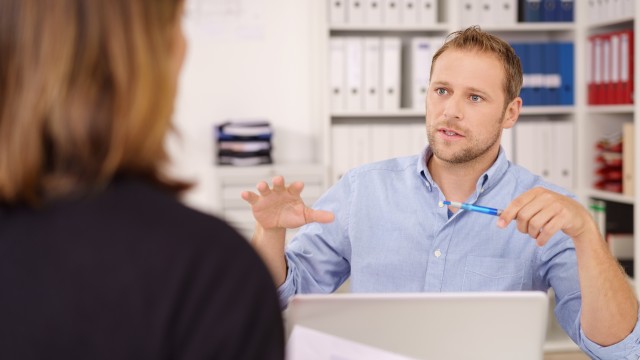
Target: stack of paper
(244, 142)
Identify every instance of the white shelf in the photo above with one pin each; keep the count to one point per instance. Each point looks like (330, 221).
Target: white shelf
(537, 26)
(401, 113)
(615, 22)
(610, 109)
(611, 196)
(547, 110)
(269, 170)
(441, 27)
(412, 113)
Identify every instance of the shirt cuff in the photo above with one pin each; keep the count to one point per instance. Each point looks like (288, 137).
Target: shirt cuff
(628, 348)
(288, 288)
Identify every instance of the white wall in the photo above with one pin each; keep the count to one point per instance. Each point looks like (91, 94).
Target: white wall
(245, 58)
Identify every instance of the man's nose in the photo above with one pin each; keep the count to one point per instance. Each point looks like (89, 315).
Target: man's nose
(453, 108)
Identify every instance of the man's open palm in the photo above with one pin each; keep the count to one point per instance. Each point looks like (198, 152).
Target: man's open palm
(281, 206)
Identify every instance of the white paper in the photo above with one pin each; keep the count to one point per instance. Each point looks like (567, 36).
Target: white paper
(309, 344)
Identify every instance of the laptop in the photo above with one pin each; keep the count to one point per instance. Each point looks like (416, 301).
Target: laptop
(464, 325)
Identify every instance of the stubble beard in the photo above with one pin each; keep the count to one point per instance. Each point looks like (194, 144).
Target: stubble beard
(471, 152)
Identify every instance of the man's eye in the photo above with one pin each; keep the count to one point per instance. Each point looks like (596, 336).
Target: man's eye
(441, 91)
(475, 98)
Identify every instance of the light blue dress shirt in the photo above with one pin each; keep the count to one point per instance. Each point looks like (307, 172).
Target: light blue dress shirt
(390, 235)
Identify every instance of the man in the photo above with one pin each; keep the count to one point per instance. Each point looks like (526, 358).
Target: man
(382, 226)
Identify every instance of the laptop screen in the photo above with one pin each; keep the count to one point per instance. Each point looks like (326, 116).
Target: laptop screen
(478, 325)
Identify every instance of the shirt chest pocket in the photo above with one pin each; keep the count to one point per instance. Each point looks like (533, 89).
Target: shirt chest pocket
(492, 274)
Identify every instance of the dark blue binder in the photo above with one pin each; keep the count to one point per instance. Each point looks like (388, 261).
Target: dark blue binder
(549, 13)
(551, 71)
(536, 59)
(566, 10)
(531, 10)
(565, 54)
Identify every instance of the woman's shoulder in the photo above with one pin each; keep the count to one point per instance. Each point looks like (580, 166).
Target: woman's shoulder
(163, 211)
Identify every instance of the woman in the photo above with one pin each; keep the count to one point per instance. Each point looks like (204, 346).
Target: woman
(98, 258)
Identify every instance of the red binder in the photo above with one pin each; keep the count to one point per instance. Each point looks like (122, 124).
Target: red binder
(608, 95)
(598, 61)
(591, 84)
(616, 52)
(626, 66)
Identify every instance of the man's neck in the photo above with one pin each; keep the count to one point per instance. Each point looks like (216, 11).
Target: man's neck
(458, 181)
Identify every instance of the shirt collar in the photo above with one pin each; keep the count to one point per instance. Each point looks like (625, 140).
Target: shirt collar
(485, 182)
(422, 169)
(494, 174)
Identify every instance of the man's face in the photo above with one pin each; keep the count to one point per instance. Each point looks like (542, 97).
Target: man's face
(465, 106)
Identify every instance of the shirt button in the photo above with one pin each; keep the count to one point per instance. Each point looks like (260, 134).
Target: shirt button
(438, 253)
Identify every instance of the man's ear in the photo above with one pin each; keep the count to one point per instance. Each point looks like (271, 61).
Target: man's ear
(512, 113)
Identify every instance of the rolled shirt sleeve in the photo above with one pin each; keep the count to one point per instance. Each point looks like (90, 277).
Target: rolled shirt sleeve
(628, 349)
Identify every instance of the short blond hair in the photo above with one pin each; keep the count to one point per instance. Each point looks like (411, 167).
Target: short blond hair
(474, 39)
(86, 93)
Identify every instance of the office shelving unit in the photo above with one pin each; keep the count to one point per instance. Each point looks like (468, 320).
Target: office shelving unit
(598, 120)
(405, 115)
(447, 21)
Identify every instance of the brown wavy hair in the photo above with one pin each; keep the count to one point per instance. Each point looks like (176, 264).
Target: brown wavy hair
(474, 39)
(86, 94)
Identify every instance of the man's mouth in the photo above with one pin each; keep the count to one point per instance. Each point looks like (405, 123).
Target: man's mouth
(449, 132)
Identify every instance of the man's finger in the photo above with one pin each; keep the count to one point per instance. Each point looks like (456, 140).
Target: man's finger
(249, 197)
(536, 224)
(319, 216)
(296, 188)
(512, 210)
(263, 188)
(548, 230)
(543, 219)
(278, 184)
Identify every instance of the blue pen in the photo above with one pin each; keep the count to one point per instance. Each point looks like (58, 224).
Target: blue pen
(471, 207)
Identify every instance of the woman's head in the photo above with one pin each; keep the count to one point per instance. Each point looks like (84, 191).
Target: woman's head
(86, 92)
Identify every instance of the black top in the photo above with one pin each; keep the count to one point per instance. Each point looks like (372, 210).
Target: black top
(131, 273)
